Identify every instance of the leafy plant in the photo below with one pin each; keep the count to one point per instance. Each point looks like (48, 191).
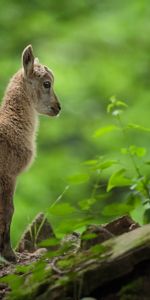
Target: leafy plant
(138, 183)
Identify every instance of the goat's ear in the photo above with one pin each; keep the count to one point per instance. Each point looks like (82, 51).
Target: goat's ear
(28, 60)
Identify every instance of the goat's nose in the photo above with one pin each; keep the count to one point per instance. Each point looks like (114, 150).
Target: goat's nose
(59, 106)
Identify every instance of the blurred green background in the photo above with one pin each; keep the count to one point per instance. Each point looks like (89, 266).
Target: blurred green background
(96, 49)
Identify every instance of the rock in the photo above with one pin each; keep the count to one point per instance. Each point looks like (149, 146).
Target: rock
(121, 225)
(39, 230)
(94, 234)
(106, 231)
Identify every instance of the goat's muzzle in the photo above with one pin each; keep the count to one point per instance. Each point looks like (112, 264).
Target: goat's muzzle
(55, 109)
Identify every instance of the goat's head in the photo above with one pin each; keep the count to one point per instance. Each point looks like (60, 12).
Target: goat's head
(39, 82)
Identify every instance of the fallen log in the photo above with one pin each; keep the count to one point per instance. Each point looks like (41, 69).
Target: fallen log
(108, 267)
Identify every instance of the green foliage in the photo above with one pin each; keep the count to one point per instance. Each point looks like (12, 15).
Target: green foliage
(26, 280)
(99, 132)
(115, 106)
(133, 150)
(62, 209)
(86, 203)
(114, 210)
(78, 178)
(100, 164)
(49, 242)
(118, 179)
(15, 283)
(135, 183)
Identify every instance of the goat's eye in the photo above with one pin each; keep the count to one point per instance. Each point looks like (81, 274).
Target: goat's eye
(47, 84)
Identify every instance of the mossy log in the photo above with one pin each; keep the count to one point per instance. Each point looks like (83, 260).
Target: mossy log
(109, 267)
(120, 271)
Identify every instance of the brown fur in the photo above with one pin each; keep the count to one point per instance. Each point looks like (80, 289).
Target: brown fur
(24, 98)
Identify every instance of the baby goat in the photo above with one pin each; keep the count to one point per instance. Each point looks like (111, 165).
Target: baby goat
(29, 93)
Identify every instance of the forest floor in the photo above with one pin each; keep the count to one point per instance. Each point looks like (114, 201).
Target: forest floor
(7, 268)
(106, 262)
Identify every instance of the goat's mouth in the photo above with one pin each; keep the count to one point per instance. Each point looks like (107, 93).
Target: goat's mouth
(54, 111)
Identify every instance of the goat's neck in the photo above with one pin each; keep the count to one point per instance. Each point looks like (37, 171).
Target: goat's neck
(18, 107)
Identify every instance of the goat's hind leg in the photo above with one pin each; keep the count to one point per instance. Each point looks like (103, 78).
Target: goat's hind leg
(7, 186)
(7, 252)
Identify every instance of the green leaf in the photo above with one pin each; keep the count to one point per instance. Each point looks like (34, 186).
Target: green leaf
(24, 269)
(134, 150)
(65, 263)
(139, 185)
(86, 203)
(146, 217)
(121, 103)
(103, 130)
(100, 164)
(113, 99)
(140, 151)
(107, 164)
(72, 224)
(89, 236)
(118, 179)
(124, 150)
(137, 151)
(91, 162)
(138, 127)
(13, 280)
(116, 209)
(62, 209)
(78, 178)
(134, 200)
(49, 242)
(110, 107)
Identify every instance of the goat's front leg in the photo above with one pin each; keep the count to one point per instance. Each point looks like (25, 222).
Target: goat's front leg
(7, 187)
